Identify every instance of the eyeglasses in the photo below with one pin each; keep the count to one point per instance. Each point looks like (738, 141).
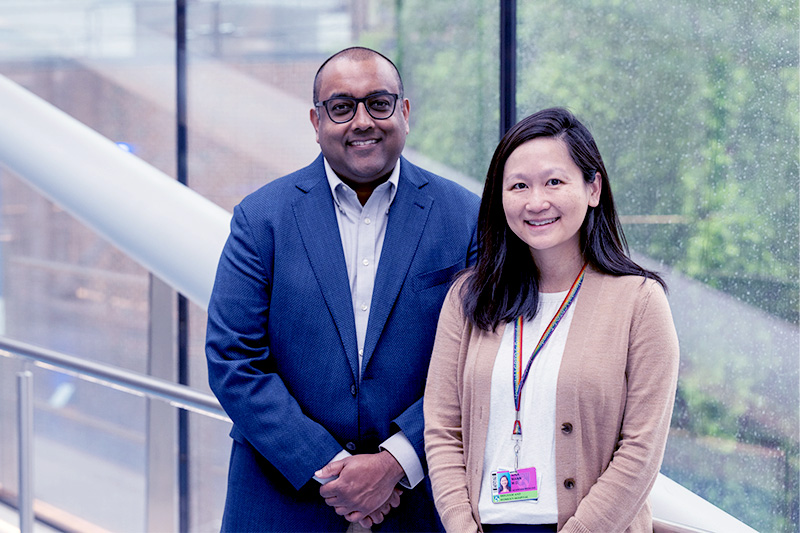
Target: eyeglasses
(342, 109)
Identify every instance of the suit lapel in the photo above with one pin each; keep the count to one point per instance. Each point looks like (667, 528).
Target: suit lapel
(408, 216)
(319, 231)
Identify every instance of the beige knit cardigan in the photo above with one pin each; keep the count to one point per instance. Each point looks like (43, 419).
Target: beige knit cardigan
(614, 397)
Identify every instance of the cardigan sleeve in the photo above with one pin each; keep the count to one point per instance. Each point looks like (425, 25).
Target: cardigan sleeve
(444, 443)
(613, 503)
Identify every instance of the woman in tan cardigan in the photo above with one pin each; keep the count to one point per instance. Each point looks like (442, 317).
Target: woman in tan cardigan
(556, 358)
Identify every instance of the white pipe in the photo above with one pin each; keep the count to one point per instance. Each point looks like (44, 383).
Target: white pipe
(169, 229)
(677, 509)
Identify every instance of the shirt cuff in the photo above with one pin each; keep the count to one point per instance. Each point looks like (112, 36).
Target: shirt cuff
(338, 457)
(401, 449)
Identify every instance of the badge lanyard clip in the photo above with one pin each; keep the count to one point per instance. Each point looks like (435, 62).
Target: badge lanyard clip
(516, 436)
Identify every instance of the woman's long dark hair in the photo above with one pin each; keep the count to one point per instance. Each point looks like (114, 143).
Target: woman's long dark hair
(504, 283)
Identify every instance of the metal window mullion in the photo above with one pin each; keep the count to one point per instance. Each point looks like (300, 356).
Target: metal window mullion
(182, 148)
(508, 65)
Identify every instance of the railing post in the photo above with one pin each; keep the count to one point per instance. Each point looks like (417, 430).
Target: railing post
(162, 422)
(25, 434)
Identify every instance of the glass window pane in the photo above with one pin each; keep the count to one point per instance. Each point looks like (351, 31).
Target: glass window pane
(695, 109)
(449, 56)
(251, 67)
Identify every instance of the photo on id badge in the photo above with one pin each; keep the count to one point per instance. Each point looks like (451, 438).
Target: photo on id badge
(510, 485)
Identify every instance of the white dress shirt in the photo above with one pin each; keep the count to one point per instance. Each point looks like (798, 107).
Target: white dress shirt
(362, 230)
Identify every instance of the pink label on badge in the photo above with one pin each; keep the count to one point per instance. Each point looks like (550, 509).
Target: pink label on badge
(510, 485)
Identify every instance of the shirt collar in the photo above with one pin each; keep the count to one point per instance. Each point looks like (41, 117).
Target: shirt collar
(335, 181)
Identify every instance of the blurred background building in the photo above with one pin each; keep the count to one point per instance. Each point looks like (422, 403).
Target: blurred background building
(695, 107)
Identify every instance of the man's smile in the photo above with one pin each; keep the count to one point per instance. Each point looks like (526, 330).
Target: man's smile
(366, 142)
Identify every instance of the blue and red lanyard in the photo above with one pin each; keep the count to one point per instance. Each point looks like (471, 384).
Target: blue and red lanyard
(520, 377)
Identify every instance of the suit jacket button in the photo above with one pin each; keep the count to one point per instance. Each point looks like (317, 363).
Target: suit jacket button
(569, 483)
(353, 390)
(566, 428)
(351, 446)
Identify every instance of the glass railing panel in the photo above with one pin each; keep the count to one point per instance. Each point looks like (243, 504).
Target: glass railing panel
(209, 452)
(89, 454)
(66, 289)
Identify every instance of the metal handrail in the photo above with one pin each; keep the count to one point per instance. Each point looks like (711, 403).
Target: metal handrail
(134, 382)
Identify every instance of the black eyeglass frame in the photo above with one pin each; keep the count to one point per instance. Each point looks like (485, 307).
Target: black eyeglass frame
(357, 101)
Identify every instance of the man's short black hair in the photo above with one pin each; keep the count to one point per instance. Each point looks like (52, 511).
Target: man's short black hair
(355, 53)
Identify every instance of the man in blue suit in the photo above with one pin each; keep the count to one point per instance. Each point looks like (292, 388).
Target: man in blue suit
(323, 315)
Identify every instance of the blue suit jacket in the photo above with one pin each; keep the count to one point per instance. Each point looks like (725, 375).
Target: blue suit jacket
(281, 341)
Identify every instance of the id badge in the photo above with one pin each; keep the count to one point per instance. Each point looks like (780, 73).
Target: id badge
(514, 485)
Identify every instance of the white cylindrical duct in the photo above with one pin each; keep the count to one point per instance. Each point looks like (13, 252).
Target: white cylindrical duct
(169, 229)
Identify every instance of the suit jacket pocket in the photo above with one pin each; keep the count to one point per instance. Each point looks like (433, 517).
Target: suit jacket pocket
(436, 277)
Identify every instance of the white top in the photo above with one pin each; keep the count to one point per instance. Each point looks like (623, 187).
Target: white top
(537, 415)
